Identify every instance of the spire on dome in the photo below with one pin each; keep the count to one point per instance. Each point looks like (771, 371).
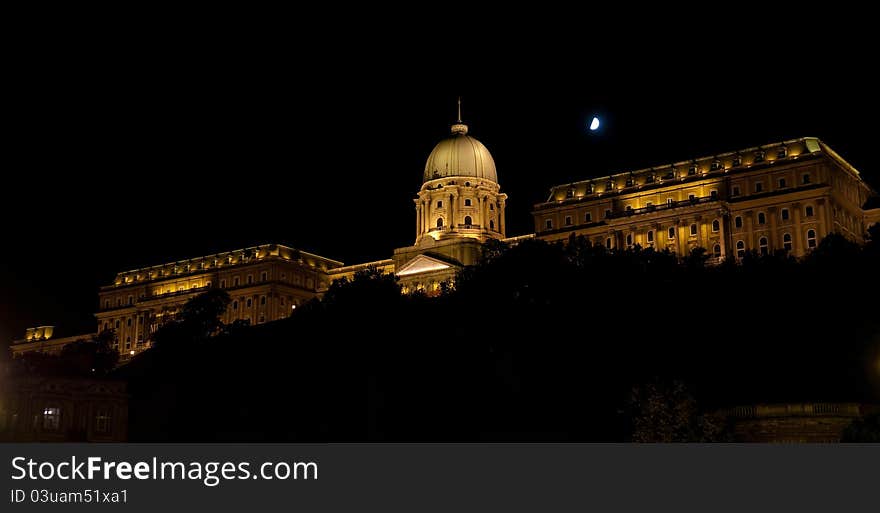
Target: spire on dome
(459, 127)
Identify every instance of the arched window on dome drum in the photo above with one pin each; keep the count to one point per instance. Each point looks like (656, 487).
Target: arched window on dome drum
(468, 221)
(716, 226)
(439, 222)
(467, 202)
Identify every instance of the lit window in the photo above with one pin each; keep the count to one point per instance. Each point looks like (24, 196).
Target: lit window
(738, 222)
(51, 418)
(439, 222)
(762, 244)
(567, 220)
(811, 239)
(467, 202)
(262, 300)
(786, 241)
(759, 186)
(740, 249)
(439, 204)
(784, 214)
(693, 230)
(249, 279)
(716, 251)
(782, 183)
(808, 211)
(671, 233)
(650, 236)
(468, 221)
(588, 217)
(548, 223)
(805, 179)
(762, 218)
(249, 303)
(102, 422)
(735, 191)
(629, 239)
(716, 226)
(264, 276)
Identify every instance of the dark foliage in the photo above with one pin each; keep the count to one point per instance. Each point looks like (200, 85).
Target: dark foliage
(538, 342)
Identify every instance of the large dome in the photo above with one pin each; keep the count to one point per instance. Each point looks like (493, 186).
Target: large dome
(460, 155)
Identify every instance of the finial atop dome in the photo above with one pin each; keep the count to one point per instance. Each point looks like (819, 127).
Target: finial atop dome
(459, 127)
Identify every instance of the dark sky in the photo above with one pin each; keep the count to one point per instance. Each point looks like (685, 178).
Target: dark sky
(129, 155)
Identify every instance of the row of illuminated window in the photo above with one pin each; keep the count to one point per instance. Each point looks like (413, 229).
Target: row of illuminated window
(51, 418)
(468, 222)
(692, 170)
(764, 244)
(249, 302)
(758, 185)
(784, 214)
(467, 203)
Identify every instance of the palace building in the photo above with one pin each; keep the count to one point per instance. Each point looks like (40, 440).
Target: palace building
(784, 196)
(781, 197)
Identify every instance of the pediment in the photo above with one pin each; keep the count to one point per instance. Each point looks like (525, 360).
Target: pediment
(423, 264)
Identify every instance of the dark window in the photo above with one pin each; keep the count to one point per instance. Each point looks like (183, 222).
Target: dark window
(607, 213)
(264, 276)
(249, 303)
(467, 202)
(671, 233)
(762, 244)
(235, 305)
(692, 197)
(759, 186)
(262, 300)
(491, 225)
(693, 229)
(811, 239)
(491, 206)
(629, 239)
(735, 191)
(588, 217)
(759, 156)
(713, 194)
(762, 218)
(130, 300)
(439, 204)
(102, 422)
(468, 221)
(782, 183)
(670, 202)
(784, 214)
(805, 179)
(716, 226)
(808, 211)
(786, 241)
(740, 249)
(650, 235)
(608, 243)
(141, 321)
(716, 251)
(117, 324)
(548, 223)
(128, 322)
(567, 220)
(692, 169)
(737, 160)
(250, 279)
(439, 222)
(222, 284)
(782, 152)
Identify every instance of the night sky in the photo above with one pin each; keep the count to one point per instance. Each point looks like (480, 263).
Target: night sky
(130, 156)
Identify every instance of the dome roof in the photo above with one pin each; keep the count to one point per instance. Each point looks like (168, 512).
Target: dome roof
(460, 155)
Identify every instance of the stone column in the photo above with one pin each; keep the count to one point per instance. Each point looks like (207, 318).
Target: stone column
(822, 208)
(798, 248)
(749, 230)
(452, 199)
(501, 224)
(772, 239)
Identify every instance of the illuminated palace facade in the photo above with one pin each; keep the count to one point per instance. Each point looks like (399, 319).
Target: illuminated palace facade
(784, 196)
